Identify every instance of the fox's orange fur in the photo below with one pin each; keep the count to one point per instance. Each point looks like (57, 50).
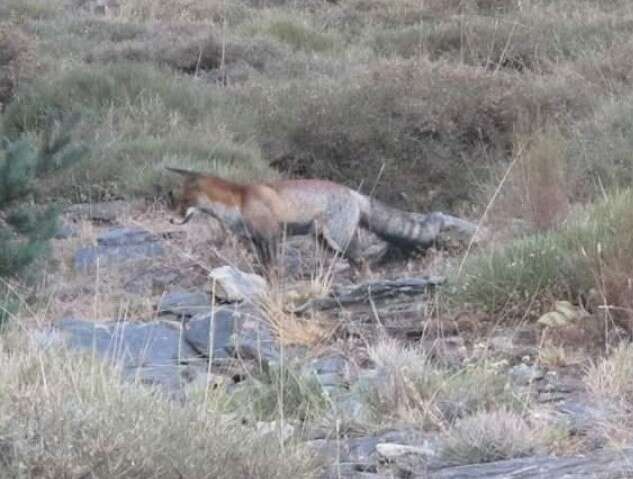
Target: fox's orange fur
(263, 211)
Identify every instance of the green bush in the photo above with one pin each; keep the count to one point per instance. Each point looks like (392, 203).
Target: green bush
(594, 249)
(25, 229)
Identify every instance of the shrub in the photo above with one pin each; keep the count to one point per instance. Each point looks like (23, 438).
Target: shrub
(600, 152)
(282, 391)
(491, 436)
(300, 36)
(17, 61)
(25, 231)
(138, 118)
(184, 11)
(411, 387)
(429, 128)
(592, 250)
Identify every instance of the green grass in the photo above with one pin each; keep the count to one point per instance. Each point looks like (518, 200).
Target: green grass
(591, 250)
(350, 92)
(135, 119)
(283, 391)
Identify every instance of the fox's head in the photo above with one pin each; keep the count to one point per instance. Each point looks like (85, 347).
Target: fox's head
(182, 203)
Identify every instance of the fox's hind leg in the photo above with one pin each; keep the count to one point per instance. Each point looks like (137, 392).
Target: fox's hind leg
(339, 231)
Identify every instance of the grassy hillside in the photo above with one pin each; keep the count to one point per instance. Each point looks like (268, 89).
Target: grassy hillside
(429, 96)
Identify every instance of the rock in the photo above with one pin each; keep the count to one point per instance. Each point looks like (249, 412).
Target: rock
(403, 460)
(377, 290)
(117, 246)
(231, 284)
(150, 353)
(198, 332)
(336, 363)
(602, 464)
(153, 280)
(185, 303)
(391, 451)
(361, 454)
(511, 345)
(129, 344)
(66, 231)
(278, 431)
(523, 374)
(255, 341)
(581, 416)
(352, 409)
(126, 237)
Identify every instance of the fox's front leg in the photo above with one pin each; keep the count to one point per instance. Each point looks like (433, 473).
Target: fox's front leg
(186, 216)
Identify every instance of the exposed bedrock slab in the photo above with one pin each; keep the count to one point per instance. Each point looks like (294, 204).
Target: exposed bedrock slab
(118, 246)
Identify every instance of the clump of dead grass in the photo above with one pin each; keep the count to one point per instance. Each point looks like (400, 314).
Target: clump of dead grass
(491, 436)
(610, 384)
(411, 387)
(537, 189)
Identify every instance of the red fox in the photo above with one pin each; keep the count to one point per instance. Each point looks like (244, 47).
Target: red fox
(263, 211)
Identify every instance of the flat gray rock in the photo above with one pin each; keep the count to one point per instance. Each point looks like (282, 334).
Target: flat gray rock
(126, 237)
(128, 344)
(118, 246)
(604, 464)
(185, 303)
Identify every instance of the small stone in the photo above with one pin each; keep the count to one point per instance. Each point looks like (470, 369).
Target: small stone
(281, 432)
(231, 284)
(66, 231)
(391, 451)
(523, 374)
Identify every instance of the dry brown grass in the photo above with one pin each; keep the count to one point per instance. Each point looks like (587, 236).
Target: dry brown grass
(492, 436)
(610, 387)
(63, 415)
(537, 190)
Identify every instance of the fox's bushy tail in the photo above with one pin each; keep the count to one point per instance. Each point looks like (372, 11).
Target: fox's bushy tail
(398, 226)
